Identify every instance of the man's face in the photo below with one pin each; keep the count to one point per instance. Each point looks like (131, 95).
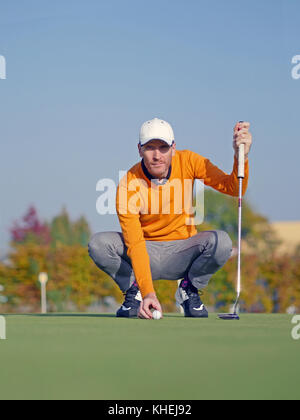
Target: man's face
(157, 157)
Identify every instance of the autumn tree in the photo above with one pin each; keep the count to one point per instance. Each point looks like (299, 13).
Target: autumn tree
(30, 229)
(221, 212)
(65, 232)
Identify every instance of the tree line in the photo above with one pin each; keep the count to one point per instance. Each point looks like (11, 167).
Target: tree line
(271, 281)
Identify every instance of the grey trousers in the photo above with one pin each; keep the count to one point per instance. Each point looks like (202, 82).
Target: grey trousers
(199, 257)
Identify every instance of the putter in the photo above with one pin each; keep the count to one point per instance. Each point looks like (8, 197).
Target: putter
(241, 176)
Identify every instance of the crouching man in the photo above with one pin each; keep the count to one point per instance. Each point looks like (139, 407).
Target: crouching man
(159, 239)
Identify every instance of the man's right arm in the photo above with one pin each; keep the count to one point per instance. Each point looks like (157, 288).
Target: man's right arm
(134, 240)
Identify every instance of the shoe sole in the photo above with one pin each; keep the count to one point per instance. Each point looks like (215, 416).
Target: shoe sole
(126, 315)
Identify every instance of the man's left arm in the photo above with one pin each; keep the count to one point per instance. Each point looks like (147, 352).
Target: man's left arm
(218, 179)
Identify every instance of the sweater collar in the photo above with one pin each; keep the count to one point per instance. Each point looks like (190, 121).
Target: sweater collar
(155, 180)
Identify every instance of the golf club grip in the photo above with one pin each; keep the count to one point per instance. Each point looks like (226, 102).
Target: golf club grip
(241, 167)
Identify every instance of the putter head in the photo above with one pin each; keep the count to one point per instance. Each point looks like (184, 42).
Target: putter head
(229, 317)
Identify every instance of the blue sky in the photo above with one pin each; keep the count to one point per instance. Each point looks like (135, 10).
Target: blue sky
(82, 76)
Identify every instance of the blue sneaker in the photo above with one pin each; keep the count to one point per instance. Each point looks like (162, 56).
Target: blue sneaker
(131, 305)
(188, 297)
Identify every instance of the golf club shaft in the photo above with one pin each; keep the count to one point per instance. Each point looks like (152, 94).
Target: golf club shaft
(241, 175)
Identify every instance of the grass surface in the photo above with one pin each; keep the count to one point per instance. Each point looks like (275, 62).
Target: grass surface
(102, 357)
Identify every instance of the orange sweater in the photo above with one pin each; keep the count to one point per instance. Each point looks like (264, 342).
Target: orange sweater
(158, 213)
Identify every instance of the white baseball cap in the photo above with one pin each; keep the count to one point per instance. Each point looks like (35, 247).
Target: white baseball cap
(156, 129)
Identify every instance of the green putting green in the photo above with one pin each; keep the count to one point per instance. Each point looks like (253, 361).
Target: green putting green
(81, 356)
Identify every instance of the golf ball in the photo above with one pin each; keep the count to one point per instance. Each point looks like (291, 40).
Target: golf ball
(156, 315)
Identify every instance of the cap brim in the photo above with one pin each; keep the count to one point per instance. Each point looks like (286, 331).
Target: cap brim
(148, 141)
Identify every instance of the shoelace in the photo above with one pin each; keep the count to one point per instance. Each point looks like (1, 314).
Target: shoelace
(130, 295)
(194, 295)
(195, 299)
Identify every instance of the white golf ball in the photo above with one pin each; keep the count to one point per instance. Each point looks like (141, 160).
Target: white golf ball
(156, 315)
